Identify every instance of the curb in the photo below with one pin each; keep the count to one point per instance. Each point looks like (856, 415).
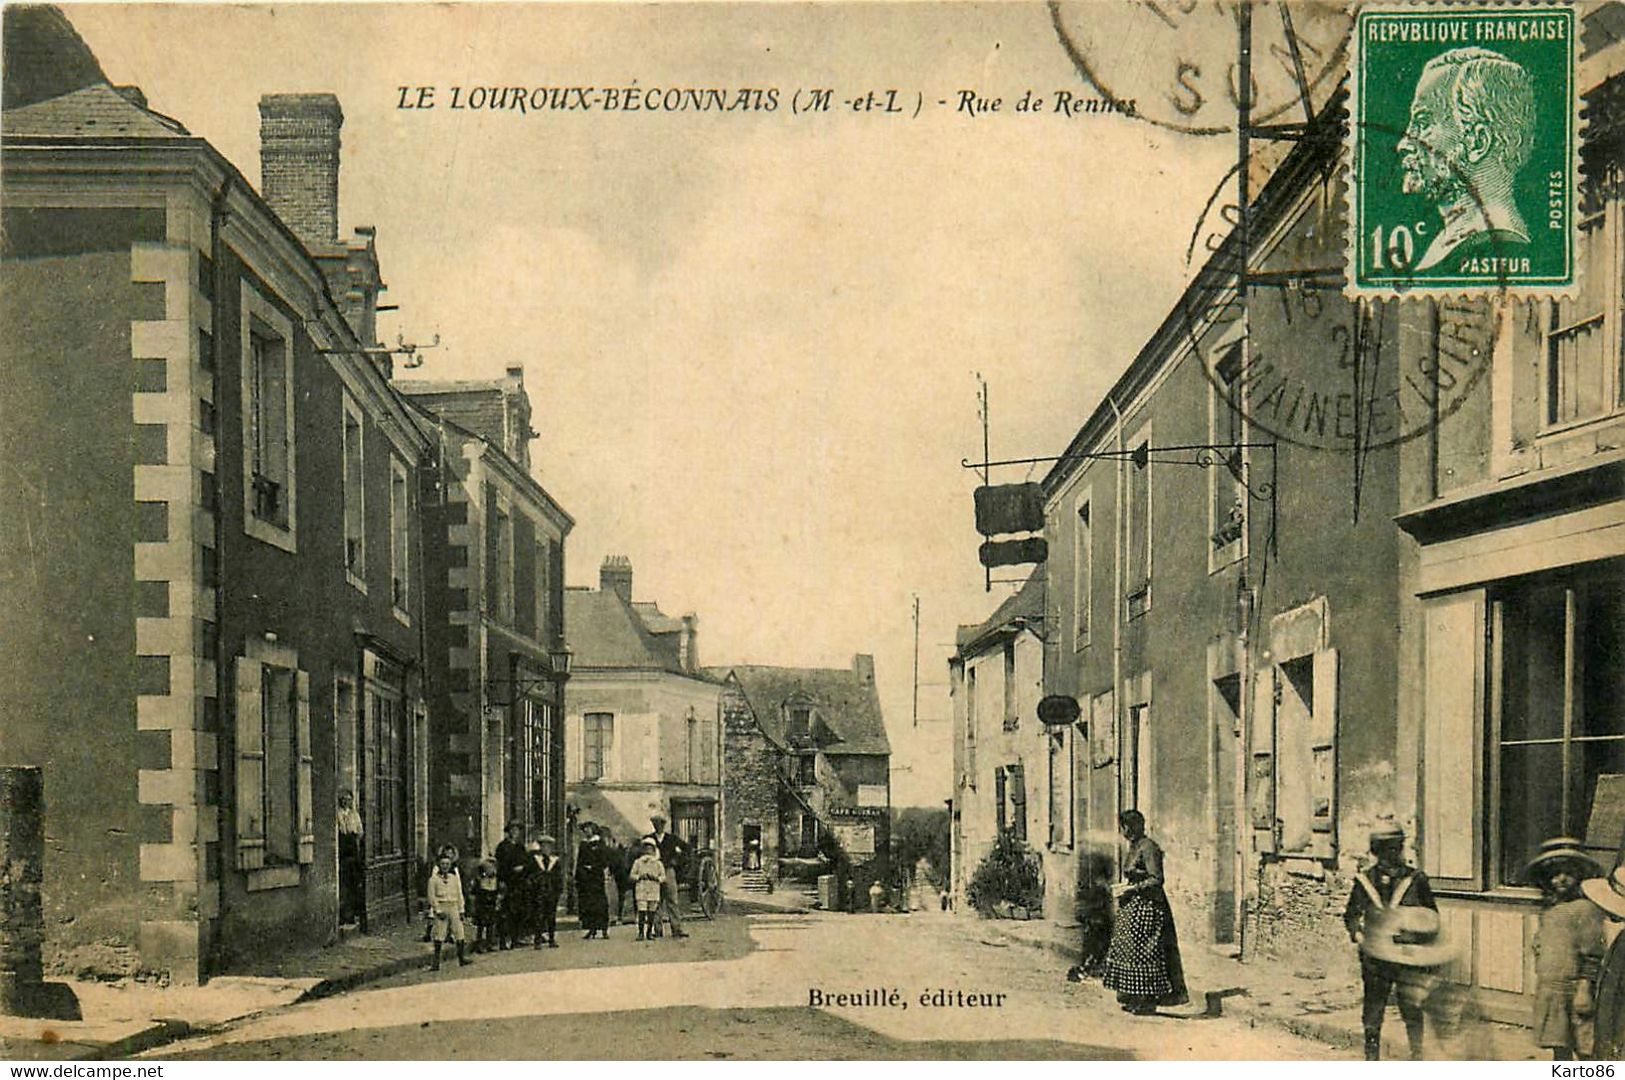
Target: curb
(155, 1034)
(1333, 1035)
(350, 980)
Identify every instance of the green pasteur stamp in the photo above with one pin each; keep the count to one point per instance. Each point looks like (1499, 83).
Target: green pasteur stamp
(1463, 128)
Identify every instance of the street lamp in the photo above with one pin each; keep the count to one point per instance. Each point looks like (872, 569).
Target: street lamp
(559, 658)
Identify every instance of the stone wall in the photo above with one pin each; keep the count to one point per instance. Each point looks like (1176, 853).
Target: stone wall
(750, 784)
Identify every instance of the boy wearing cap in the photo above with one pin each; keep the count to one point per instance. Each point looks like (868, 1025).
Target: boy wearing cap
(445, 894)
(546, 878)
(1568, 947)
(1379, 892)
(648, 875)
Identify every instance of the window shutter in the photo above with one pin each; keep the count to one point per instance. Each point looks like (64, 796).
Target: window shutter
(1018, 800)
(250, 766)
(1323, 757)
(1262, 754)
(304, 805)
(1102, 731)
(998, 795)
(574, 753)
(1451, 733)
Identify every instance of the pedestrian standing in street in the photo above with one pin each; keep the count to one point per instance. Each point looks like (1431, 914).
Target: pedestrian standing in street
(487, 906)
(511, 859)
(1568, 949)
(648, 877)
(592, 899)
(1608, 893)
(1395, 950)
(352, 864)
(1143, 963)
(673, 853)
(621, 858)
(446, 906)
(545, 883)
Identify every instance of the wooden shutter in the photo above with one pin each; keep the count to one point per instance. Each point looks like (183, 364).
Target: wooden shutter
(1261, 778)
(250, 763)
(1451, 734)
(1323, 757)
(998, 795)
(304, 804)
(1018, 800)
(1102, 730)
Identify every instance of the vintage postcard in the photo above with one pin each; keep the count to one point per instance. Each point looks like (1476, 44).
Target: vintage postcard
(797, 532)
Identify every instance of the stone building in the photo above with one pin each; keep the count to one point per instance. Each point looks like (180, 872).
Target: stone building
(1011, 773)
(498, 652)
(1513, 591)
(805, 756)
(642, 729)
(211, 522)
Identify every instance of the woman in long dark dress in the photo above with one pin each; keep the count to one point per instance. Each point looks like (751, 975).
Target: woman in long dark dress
(1143, 963)
(352, 864)
(592, 902)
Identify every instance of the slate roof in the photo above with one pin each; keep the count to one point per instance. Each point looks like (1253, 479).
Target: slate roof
(848, 704)
(1026, 603)
(475, 404)
(54, 85)
(608, 633)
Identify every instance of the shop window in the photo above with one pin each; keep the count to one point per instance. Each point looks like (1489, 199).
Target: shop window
(1558, 692)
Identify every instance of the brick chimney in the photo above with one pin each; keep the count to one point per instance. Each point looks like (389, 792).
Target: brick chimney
(299, 163)
(688, 653)
(863, 666)
(615, 575)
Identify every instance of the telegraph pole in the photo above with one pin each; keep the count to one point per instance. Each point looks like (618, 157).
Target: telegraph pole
(916, 659)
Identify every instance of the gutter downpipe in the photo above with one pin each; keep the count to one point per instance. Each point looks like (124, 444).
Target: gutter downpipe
(217, 318)
(1119, 531)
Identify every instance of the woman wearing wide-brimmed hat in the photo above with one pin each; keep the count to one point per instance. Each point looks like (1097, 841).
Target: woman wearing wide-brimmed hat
(1608, 893)
(1568, 946)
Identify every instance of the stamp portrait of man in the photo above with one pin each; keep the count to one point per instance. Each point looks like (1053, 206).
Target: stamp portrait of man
(1471, 129)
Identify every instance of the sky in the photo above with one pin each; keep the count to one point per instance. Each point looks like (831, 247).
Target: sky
(751, 340)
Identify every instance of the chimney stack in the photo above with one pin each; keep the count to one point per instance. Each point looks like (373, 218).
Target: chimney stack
(688, 653)
(863, 665)
(615, 575)
(299, 163)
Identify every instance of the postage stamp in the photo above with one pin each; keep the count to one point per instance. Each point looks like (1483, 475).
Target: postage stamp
(1463, 141)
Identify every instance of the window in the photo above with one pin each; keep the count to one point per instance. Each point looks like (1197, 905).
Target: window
(355, 495)
(543, 629)
(1135, 755)
(502, 598)
(1012, 701)
(1583, 348)
(399, 531)
(272, 808)
(386, 745)
(1227, 498)
(277, 734)
(1060, 787)
(1137, 510)
(690, 745)
(530, 776)
(1560, 711)
(1017, 785)
(1082, 572)
(598, 732)
(269, 488)
(807, 769)
(799, 730)
(970, 724)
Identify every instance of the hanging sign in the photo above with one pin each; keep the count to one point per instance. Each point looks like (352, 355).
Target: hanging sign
(1009, 508)
(1034, 549)
(1058, 709)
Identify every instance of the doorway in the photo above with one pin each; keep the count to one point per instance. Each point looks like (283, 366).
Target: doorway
(752, 840)
(1225, 709)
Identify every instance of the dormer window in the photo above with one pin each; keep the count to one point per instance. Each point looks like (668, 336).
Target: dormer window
(800, 723)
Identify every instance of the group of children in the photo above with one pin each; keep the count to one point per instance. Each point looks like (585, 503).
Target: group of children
(1580, 976)
(516, 895)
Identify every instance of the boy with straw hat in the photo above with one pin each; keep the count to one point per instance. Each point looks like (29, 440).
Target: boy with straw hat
(1567, 948)
(1391, 916)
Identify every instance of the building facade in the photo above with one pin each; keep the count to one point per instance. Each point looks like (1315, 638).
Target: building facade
(498, 651)
(1012, 774)
(805, 756)
(1513, 595)
(642, 727)
(213, 527)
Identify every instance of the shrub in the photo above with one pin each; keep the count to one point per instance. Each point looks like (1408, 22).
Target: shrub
(1009, 874)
